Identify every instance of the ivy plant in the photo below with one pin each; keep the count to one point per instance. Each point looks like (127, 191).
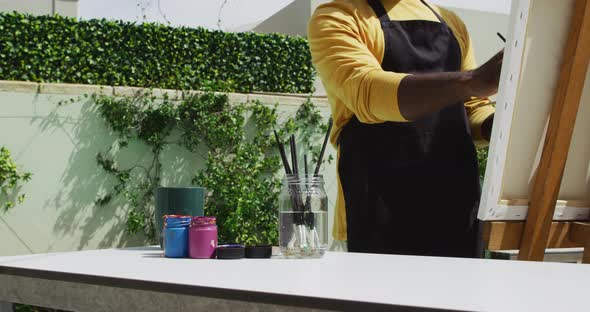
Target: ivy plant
(242, 167)
(10, 178)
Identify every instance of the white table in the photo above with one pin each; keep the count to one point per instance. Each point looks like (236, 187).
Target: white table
(141, 279)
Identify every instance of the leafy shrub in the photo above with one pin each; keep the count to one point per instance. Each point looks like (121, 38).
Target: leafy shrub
(117, 53)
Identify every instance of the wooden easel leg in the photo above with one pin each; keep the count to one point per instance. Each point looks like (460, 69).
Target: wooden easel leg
(559, 134)
(580, 233)
(586, 258)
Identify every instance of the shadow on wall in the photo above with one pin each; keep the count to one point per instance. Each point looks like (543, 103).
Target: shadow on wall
(181, 165)
(83, 180)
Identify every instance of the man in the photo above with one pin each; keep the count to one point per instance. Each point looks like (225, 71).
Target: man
(408, 103)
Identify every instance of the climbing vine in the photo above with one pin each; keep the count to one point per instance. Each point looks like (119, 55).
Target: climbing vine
(235, 143)
(10, 178)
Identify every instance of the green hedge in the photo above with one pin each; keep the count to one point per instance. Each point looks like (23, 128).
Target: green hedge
(60, 49)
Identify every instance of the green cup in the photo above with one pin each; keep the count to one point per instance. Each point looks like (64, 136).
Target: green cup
(177, 201)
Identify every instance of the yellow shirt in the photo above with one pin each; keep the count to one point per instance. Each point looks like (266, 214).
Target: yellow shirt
(347, 47)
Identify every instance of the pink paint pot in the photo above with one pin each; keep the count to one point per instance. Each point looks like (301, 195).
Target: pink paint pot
(202, 238)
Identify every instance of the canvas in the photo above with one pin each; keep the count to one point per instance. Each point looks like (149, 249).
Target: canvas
(532, 62)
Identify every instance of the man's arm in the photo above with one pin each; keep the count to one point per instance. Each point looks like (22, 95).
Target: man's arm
(351, 72)
(422, 94)
(349, 67)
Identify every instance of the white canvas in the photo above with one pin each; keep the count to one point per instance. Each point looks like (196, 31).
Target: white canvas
(532, 63)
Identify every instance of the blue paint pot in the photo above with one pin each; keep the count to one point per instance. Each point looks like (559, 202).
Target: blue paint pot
(176, 228)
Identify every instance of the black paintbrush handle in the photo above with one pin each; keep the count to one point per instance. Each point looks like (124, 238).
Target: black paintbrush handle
(296, 190)
(293, 190)
(308, 198)
(283, 154)
(309, 218)
(308, 215)
(319, 164)
(294, 155)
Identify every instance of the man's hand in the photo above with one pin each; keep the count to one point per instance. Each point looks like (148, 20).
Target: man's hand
(486, 78)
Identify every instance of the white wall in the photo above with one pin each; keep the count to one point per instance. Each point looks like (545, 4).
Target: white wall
(291, 20)
(66, 7)
(482, 27)
(205, 13)
(59, 145)
(493, 6)
(41, 7)
(28, 6)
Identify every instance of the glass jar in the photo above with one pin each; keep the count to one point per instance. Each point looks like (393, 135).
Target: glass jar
(176, 236)
(303, 217)
(203, 238)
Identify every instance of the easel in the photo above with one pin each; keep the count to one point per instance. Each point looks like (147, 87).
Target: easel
(539, 231)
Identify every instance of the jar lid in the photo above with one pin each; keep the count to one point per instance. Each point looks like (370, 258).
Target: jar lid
(230, 251)
(173, 216)
(176, 220)
(203, 221)
(259, 252)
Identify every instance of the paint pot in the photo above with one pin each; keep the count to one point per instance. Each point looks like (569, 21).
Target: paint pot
(202, 238)
(176, 230)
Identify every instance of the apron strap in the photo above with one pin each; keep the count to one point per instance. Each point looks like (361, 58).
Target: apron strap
(446, 26)
(379, 10)
(381, 13)
(441, 20)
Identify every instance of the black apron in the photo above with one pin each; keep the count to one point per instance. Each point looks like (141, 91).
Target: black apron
(413, 188)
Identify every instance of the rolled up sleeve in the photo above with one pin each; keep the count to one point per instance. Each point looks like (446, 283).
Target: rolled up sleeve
(348, 69)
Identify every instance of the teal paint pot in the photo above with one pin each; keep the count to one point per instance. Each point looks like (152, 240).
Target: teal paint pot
(188, 201)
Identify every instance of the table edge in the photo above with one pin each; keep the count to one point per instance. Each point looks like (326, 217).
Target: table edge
(212, 292)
